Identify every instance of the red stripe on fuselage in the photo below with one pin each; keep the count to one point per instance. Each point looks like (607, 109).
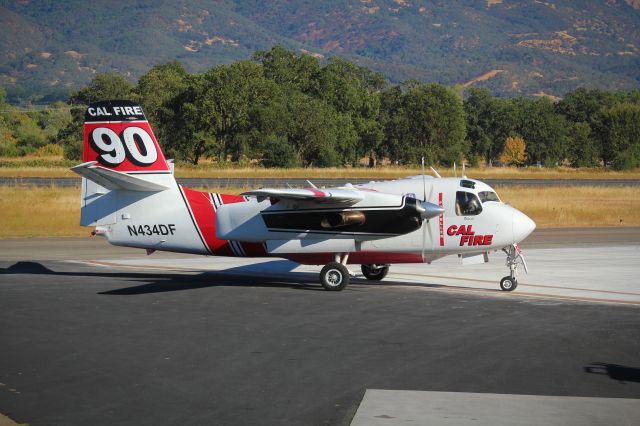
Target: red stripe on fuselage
(230, 199)
(204, 214)
(441, 221)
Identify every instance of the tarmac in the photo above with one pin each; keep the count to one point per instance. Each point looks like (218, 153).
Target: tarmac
(95, 334)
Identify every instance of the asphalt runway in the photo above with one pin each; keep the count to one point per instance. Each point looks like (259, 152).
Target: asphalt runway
(104, 341)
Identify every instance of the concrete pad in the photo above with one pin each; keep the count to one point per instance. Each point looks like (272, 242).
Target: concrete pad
(593, 274)
(397, 407)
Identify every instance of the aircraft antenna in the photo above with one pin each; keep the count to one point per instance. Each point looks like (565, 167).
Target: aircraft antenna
(455, 171)
(464, 174)
(311, 183)
(435, 172)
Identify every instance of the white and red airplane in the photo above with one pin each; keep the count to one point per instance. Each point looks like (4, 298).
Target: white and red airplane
(130, 195)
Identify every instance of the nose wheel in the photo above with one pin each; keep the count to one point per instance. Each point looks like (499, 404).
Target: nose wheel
(514, 259)
(508, 284)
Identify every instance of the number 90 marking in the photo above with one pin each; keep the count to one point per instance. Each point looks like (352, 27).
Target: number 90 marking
(134, 144)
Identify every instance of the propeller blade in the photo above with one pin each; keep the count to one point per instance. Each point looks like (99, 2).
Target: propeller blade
(428, 209)
(424, 183)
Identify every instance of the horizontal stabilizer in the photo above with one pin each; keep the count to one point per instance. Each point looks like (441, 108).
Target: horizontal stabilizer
(112, 179)
(328, 196)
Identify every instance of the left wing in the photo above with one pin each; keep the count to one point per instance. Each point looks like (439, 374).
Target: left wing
(326, 196)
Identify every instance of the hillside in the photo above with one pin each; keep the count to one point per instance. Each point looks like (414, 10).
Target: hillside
(516, 47)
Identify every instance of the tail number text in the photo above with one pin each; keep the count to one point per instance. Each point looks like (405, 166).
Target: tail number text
(142, 230)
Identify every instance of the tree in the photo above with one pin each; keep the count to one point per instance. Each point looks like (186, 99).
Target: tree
(314, 131)
(104, 87)
(546, 133)
(354, 92)
(587, 106)
(278, 153)
(622, 122)
(285, 68)
(191, 137)
(426, 121)
(513, 152)
(582, 150)
(489, 122)
(156, 90)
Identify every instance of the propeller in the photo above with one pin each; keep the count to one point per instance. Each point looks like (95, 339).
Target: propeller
(427, 211)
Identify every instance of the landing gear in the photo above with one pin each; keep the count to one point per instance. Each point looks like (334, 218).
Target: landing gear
(508, 284)
(375, 272)
(514, 258)
(334, 276)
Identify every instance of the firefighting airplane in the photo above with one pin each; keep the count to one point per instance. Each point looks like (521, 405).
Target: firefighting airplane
(130, 196)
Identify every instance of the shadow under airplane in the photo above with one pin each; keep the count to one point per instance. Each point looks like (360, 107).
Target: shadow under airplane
(274, 273)
(617, 372)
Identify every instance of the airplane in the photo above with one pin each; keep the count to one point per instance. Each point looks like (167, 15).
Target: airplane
(131, 197)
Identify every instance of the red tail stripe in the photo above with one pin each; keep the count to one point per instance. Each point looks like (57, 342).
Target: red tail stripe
(118, 128)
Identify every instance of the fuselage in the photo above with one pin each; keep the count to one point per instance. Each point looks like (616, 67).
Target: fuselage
(183, 220)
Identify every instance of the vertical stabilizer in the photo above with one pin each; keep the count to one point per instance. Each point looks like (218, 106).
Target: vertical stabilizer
(121, 154)
(118, 136)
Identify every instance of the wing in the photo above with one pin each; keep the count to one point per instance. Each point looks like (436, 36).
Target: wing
(325, 196)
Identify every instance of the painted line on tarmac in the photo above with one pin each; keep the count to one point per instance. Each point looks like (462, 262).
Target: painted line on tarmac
(521, 284)
(124, 265)
(519, 294)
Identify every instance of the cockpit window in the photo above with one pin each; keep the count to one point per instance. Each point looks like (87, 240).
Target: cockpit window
(467, 184)
(467, 204)
(488, 196)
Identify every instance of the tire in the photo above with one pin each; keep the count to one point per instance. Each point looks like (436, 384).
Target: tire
(375, 272)
(334, 276)
(508, 284)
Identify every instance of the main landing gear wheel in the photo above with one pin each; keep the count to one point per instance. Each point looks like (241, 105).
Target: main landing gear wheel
(334, 276)
(508, 284)
(375, 272)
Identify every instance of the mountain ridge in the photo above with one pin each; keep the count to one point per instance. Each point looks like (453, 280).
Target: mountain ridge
(517, 47)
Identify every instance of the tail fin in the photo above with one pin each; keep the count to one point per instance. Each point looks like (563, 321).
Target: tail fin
(120, 153)
(118, 136)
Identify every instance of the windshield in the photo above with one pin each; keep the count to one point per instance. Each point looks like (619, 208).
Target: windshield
(488, 196)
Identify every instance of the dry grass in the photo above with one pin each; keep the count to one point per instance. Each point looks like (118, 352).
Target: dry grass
(576, 206)
(31, 211)
(47, 167)
(36, 172)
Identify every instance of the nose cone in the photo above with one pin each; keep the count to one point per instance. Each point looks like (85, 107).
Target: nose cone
(522, 226)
